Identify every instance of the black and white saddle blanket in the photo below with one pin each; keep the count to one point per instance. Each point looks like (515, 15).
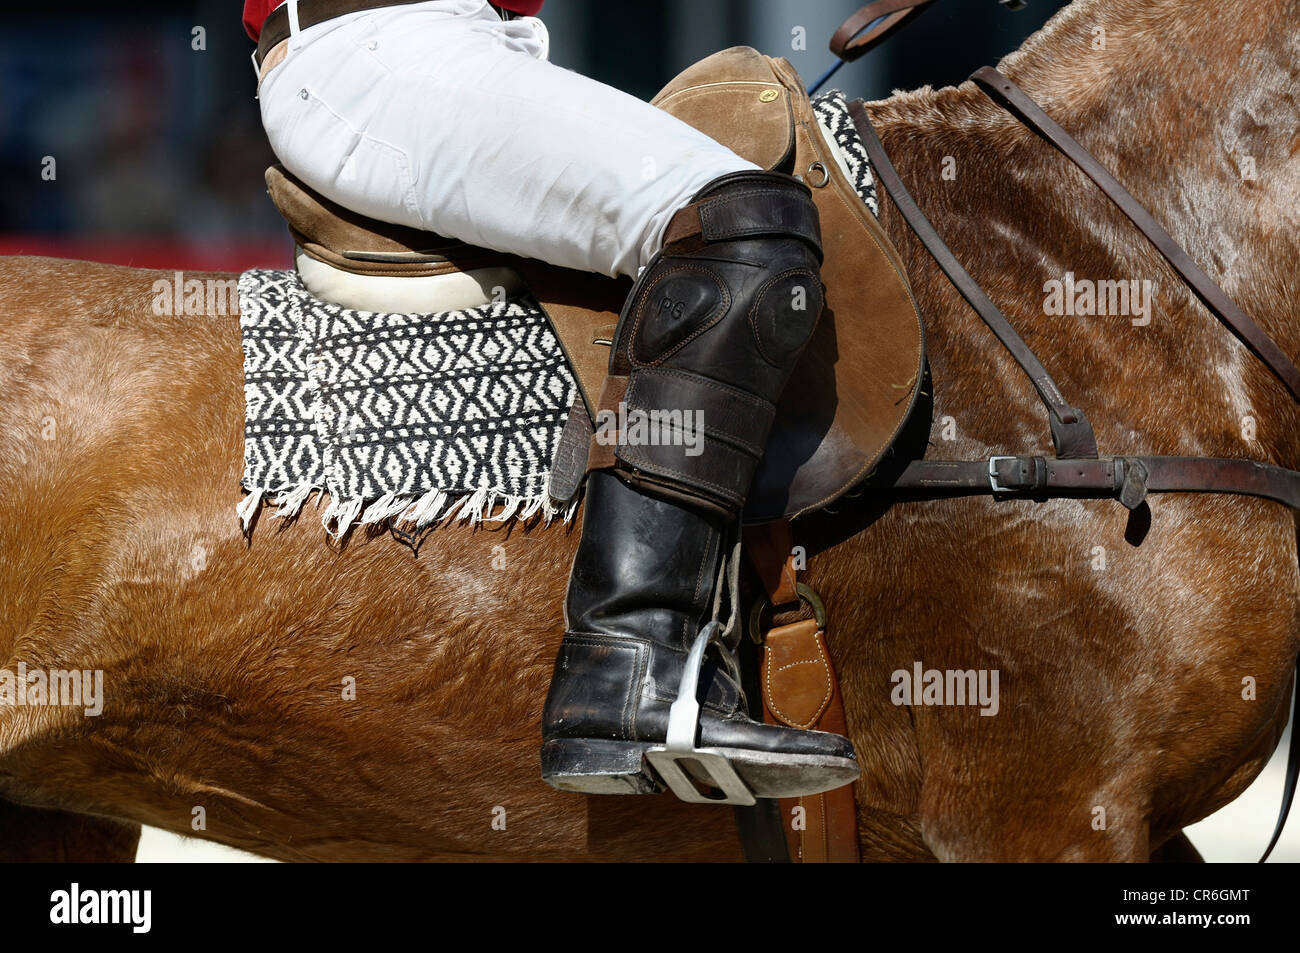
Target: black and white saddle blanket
(415, 419)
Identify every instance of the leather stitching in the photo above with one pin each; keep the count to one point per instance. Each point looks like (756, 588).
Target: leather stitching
(689, 479)
(821, 708)
(733, 392)
(638, 310)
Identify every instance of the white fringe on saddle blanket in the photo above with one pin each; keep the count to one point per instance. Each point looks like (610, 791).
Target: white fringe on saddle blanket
(417, 418)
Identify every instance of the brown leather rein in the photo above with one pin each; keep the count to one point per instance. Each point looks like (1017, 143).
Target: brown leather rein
(1077, 469)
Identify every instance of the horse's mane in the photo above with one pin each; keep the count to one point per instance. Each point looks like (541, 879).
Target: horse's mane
(1180, 95)
(1061, 68)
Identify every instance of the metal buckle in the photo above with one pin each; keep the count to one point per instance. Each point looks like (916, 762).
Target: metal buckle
(805, 592)
(993, 475)
(683, 719)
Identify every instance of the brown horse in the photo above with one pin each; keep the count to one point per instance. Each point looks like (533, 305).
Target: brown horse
(1143, 680)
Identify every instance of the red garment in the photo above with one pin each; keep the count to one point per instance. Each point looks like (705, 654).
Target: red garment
(255, 14)
(256, 11)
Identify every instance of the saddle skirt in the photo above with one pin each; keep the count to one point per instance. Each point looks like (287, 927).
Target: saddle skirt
(860, 376)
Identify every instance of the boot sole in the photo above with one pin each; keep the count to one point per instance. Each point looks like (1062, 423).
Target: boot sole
(603, 766)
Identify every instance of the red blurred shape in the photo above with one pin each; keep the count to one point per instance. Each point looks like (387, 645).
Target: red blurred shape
(167, 254)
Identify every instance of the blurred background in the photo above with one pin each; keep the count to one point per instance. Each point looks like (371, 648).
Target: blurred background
(148, 111)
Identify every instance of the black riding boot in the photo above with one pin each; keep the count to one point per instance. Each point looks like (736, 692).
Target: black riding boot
(709, 336)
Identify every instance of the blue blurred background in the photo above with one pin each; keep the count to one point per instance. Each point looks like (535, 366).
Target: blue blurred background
(158, 146)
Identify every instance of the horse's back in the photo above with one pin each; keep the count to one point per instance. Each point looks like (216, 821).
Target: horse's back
(318, 700)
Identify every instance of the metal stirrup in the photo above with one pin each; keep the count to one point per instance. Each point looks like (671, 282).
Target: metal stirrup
(683, 720)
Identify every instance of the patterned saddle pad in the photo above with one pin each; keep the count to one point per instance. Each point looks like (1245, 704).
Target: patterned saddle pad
(415, 418)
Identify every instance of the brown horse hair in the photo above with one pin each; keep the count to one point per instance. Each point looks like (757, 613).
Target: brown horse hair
(357, 702)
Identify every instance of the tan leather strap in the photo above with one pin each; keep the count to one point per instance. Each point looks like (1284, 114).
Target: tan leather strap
(800, 690)
(850, 42)
(1012, 98)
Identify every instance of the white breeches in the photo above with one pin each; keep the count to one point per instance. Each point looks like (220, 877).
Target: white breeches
(440, 116)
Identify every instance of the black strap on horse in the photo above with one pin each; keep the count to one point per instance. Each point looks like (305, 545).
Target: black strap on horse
(1074, 473)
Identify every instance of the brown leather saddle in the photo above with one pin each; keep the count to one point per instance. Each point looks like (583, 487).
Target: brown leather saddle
(856, 384)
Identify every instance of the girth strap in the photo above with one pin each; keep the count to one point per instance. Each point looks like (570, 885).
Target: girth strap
(1127, 479)
(1012, 97)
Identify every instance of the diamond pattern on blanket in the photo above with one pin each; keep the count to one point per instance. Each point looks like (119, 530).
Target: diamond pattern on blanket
(398, 414)
(416, 417)
(280, 447)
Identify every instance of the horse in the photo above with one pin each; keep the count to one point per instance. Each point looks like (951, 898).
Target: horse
(311, 699)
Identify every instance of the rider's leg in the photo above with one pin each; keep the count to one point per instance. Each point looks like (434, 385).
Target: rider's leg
(437, 115)
(711, 332)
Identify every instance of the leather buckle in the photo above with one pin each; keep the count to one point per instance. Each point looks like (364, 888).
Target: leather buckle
(679, 747)
(993, 475)
(1030, 475)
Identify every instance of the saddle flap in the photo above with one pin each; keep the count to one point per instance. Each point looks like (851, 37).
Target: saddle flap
(861, 374)
(736, 98)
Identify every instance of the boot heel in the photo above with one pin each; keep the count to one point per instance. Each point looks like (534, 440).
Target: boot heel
(598, 766)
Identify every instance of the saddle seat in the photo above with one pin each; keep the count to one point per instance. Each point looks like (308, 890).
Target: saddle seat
(860, 376)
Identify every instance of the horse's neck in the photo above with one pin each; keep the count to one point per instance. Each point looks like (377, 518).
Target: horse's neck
(1183, 104)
